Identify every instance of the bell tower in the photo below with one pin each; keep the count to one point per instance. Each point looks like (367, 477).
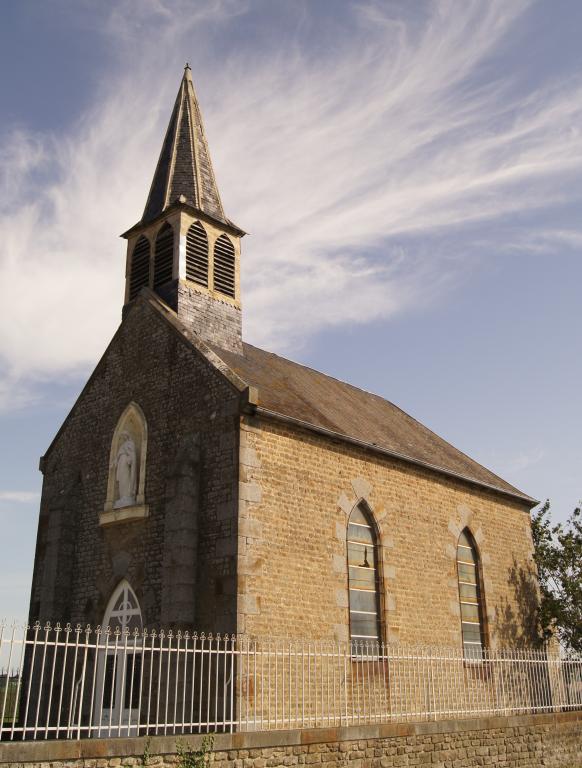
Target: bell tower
(184, 248)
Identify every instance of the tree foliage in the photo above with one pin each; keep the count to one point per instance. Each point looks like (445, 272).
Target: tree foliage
(558, 556)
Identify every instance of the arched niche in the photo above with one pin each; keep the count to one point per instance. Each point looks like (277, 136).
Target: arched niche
(127, 468)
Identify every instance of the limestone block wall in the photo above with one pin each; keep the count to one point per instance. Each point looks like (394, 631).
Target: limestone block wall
(181, 558)
(297, 490)
(551, 741)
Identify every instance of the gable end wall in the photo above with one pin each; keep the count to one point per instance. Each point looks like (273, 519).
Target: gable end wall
(192, 417)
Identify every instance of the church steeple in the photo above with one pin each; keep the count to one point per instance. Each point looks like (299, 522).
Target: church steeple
(184, 167)
(184, 247)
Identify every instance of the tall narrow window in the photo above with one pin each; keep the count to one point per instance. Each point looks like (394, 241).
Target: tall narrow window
(363, 581)
(140, 267)
(164, 256)
(224, 266)
(470, 595)
(197, 254)
(119, 663)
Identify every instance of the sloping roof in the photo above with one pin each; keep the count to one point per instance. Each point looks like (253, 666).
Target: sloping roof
(184, 167)
(305, 395)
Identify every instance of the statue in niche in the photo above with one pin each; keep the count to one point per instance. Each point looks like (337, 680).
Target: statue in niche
(126, 471)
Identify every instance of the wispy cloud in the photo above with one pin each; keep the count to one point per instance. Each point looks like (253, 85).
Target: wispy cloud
(359, 170)
(524, 460)
(19, 497)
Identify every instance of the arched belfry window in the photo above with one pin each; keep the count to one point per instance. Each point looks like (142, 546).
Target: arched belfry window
(164, 256)
(470, 596)
(197, 254)
(224, 270)
(363, 579)
(127, 461)
(140, 267)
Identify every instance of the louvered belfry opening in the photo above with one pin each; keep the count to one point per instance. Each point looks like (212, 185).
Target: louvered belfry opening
(224, 266)
(140, 267)
(164, 256)
(197, 254)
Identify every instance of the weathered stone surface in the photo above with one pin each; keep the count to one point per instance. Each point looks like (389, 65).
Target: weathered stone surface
(533, 741)
(192, 461)
(306, 493)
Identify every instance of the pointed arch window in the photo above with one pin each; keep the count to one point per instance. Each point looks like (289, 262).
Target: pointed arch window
(119, 663)
(224, 272)
(197, 254)
(140, 267)
(164, 256)
(123, 610)
(470, 596)
(363, 579)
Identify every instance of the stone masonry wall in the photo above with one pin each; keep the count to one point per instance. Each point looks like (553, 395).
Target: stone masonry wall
(297, 490)
(551, 741)
(192, 466)
(218, 321)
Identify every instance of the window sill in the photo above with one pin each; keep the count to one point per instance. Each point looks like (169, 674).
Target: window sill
(124, 515)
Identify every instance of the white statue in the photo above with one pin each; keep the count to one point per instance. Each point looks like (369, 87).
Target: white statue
(126, 471)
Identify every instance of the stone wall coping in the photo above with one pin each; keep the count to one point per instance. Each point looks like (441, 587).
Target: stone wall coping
(44, 751)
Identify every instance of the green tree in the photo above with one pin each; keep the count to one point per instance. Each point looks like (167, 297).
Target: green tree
(558, 556)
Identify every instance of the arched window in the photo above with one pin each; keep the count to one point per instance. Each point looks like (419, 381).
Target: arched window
(363, 581)
(123, 610)
(140, 267)
(470, 596)
(224, 266)
(197, 254)
(164, 256)
(119, 663)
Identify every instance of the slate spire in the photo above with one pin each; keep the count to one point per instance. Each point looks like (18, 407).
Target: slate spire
(184, 170)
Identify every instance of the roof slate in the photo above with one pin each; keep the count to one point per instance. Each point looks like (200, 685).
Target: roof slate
(184, 167)
(303, 394)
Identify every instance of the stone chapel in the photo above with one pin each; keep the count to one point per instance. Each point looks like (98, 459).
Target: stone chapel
(202, 483)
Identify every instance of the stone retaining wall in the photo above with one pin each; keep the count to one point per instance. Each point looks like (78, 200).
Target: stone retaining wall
(530, 741)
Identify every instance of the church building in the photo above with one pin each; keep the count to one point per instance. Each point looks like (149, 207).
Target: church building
(202, 483)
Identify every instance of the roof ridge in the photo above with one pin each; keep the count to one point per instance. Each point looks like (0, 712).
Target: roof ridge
(327, 376)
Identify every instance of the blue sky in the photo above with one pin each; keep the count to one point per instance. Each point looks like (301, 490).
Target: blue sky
(410, 174)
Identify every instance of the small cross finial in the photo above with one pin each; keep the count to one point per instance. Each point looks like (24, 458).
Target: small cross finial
(187, 66)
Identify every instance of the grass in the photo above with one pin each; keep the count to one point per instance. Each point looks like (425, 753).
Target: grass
(9, 714)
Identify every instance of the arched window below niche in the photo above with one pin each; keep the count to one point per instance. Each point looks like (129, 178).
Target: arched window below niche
(119, 665)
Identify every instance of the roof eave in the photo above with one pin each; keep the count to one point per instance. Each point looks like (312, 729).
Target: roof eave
(225, 224)
(374, 447)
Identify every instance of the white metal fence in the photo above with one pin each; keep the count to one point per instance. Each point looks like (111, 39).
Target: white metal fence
(73, 682)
